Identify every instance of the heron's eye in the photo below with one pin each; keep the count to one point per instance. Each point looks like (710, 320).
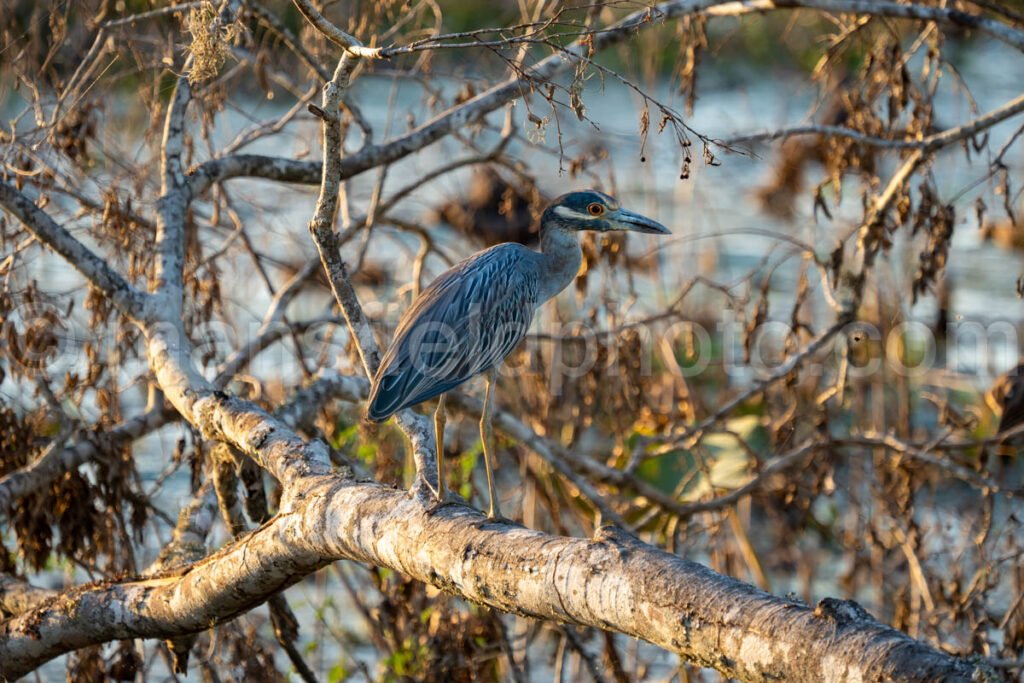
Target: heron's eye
(595, 209)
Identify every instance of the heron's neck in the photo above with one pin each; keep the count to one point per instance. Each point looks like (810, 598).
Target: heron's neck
(560, 260)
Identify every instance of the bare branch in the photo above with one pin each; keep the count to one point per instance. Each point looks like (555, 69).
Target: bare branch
(349, 43)
(321, 226)
(293, 43)
(172, 204)
(927, 144)
(457, 117)
(132, 302)
(322, 230)
(54, 463)
(224, 418)
(490, 100)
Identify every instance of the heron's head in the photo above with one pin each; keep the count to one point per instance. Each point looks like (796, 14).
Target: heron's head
(593, 210)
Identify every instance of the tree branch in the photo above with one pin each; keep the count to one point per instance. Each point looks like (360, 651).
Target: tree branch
(226, 418)
(322, 230)
(488, 101)
(280, 169)
(443, 124)
(352, 46)
(883, 8)
(98, 272)
(929, 143)
(172, 204)
(612, 582)
(51, 465)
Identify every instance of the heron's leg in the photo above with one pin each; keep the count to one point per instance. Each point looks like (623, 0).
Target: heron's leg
(439, 421)
(487, 441)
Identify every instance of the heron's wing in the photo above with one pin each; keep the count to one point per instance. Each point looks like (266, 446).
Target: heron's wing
(464, 323)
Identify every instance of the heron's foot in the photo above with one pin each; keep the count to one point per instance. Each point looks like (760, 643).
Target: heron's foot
(426, 491)
(495, 517)
(439, 505)
(440, 494)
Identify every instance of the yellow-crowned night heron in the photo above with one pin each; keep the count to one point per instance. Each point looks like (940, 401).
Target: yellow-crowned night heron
(471, 317)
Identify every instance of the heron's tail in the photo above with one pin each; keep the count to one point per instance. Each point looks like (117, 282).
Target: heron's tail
(385, 398)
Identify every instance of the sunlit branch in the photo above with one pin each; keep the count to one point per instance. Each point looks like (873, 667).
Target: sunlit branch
(639, 590)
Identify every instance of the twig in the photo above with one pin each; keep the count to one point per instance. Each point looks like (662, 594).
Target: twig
(929, 143)
(322, 230)
(97, 271)
(693, 433)
(352, 46)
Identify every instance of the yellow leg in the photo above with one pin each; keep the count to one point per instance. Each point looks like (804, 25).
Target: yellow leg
(487, 441)
(439, 421)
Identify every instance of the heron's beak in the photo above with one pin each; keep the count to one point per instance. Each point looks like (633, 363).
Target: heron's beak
(627, 220)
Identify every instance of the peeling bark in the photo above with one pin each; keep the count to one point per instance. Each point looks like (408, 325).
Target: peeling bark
(18, 596)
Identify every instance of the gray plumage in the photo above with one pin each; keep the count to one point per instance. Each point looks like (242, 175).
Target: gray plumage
(472, 316)
(463, 324)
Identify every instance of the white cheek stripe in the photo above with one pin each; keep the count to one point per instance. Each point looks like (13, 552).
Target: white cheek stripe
(566, 212)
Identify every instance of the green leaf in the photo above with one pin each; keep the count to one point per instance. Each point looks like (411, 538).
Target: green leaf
(337, 673)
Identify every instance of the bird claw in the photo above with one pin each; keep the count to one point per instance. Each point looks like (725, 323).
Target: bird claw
(496, 518)
(439, 505)
(423, 490)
